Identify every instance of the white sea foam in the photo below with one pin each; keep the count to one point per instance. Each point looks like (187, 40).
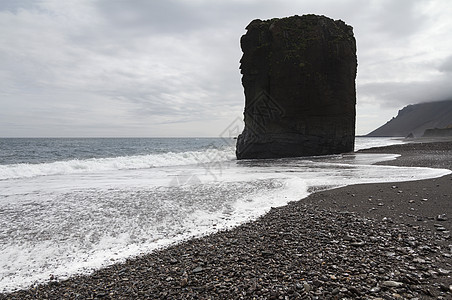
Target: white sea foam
(80, 231)
(369, 142)
(115, 163)
(209, 156)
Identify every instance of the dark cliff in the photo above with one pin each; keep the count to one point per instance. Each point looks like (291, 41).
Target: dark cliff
(415, 119)
(438, 132)
(299, 82)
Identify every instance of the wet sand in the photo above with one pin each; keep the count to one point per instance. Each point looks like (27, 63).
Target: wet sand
(369, 241)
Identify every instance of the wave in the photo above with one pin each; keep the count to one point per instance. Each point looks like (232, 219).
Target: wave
(209, 156)
(365, 142)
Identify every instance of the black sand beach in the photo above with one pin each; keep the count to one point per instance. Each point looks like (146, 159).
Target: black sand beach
(370, 241)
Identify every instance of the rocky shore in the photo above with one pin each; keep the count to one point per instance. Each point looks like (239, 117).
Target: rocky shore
(371, 241)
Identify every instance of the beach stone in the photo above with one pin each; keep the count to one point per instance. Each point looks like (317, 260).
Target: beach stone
(198, 270)
(299, 81)
(443, 271)
(184, 282)
(267, 253)
(391, 283)
(358, 244)
(442, 217)
(419, 260)
(445, 288)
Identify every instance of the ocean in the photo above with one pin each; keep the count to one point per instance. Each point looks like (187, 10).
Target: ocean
(72, 205)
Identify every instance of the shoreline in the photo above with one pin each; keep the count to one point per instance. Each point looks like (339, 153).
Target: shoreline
(365, 241)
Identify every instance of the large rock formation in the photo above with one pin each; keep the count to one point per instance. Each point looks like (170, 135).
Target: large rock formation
(413, 120)
(299, 81)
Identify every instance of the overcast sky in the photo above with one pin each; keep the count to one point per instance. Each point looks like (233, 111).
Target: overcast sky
(148, 68)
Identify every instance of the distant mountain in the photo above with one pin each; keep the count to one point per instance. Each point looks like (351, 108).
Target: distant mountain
(415, 119)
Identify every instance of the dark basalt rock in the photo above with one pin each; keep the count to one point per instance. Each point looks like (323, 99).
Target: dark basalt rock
(299, 81)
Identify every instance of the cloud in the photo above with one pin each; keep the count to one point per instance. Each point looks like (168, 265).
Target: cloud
(154, 17)
(446, 66)
(399, 94)
(134, 66)
(405, 63)
(15, 6)
(398, 19)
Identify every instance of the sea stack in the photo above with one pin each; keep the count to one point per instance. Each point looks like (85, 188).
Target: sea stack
(299, 80)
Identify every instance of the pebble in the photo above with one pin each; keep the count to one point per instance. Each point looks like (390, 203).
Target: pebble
(198, 270)
(358, 244)
(419, 260)
(390, 283)
(442, 217)
(443, 271)
(445, 288)
(184, 282)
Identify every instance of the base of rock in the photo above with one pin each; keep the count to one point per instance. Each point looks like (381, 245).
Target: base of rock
(250, 146)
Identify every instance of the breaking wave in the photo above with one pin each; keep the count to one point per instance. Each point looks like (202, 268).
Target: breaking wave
(15, 171)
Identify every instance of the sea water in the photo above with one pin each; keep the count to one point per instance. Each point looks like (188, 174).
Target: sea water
(70, 206)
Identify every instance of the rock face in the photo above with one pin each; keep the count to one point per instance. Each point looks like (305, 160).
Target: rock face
(413, 120)
(438, 132)
(299, 81)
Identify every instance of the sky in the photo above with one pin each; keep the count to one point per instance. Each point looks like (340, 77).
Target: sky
(142, 68)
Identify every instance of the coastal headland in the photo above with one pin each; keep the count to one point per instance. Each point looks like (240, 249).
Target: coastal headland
(368, 241)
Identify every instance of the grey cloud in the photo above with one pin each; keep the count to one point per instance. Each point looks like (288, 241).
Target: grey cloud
(176, 17)
(17, 5)
(400, 18)
(446, 66)
(399, 94)
(139, 62)
(163, 17)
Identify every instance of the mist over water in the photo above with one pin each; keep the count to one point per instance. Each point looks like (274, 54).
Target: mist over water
(70, 210)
